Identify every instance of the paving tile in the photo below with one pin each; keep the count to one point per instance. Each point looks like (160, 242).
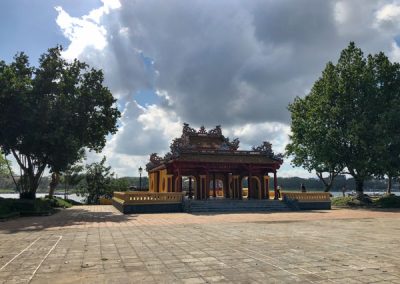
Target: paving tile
(314, 247)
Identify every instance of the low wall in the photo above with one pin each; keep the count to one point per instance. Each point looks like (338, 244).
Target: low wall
(105, 201)
(307, 200)
(148, 202)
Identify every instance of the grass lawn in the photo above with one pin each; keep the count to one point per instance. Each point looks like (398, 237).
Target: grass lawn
(385, 201)
(4, 190)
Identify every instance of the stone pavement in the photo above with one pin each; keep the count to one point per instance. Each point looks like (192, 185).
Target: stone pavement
(97, 244)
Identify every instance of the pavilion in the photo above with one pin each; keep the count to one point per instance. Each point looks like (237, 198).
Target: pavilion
(208, 159)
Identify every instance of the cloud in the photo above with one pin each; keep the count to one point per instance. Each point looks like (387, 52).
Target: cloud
(229, 62)
(145, 130)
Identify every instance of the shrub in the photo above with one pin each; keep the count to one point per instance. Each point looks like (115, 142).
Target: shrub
(28, 207)
(388, 201)
(351, 201)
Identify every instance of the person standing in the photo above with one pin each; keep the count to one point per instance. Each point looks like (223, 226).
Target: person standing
(344, 191)
(303, 188)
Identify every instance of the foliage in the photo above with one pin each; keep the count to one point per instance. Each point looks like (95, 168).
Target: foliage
(266, 149)
(50, 113)
(98, 182)
(388, 201)
(348, 119)
(3, 165)
(42, 206)
(343, 201)
(385, 201)
(119, 184)
(71, 176)
(25, 207)
(57, 202)
(351, 201)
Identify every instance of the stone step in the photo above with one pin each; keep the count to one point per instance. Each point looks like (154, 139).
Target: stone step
(226, 206)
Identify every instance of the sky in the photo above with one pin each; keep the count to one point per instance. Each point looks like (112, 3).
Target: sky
(232, 63)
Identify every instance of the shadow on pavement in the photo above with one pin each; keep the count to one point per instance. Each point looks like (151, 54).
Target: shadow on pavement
(85, 216)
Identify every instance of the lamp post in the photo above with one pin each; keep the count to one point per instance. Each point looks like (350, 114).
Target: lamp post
(140, 178)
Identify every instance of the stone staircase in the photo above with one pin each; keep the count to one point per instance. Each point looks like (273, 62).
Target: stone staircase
(233, 206)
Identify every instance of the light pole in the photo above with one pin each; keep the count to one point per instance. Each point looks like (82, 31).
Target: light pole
(140, 178)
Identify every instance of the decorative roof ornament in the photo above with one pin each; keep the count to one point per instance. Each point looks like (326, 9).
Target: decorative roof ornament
(216, 131)
(155, 161)
(187, 129)
(202, 130)
(266, 149)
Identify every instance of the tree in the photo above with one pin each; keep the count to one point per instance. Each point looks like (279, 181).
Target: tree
(52, 112)
(314, 139)
(119, 184)
(98, 184)
(343, 122)
(387, 80)
(6, 170)
(72, 176)
(3, 166)
(266, 149)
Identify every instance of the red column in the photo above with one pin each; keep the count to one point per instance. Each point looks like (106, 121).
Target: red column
(215, 191)
(208, 185)
(249, 189)
(190, 188)
(240, 187)
(275, 185)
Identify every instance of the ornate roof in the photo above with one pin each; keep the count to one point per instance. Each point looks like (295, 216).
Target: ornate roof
(213, 143)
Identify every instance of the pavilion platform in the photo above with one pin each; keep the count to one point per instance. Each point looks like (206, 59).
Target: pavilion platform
(168, 202)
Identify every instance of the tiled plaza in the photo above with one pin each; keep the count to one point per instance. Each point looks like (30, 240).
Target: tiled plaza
(97, 244)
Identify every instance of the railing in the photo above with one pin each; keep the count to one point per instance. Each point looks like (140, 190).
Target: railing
(307, 196)
(133, 198)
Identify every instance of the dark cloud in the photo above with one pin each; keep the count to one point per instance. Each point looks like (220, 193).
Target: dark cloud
(230, 62)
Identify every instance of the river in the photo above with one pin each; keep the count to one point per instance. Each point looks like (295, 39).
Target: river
(73, 196)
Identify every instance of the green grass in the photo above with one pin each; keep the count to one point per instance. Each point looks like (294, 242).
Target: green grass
(57, 202)
(5, 190)
(386, 201)
(349, 201)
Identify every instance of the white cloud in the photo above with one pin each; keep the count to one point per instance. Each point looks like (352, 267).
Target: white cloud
(388, 14)
(82, 33)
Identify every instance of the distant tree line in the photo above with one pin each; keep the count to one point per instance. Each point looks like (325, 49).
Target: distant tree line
(340, 182)
(121, 184)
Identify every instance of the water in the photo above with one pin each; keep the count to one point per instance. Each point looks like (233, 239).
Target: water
(73, 196)
(339, 193)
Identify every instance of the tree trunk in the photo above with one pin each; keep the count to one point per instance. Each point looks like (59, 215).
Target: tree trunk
(55, 179)
(359, 189)
(28, 186)
(328, 187)
(389, 186)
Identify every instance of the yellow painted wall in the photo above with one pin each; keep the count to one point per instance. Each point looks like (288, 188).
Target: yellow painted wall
(153, 182)
(163, 181)
(160, 185)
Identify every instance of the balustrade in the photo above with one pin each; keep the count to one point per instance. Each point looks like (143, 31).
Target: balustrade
(307, 196)
(132, 198)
